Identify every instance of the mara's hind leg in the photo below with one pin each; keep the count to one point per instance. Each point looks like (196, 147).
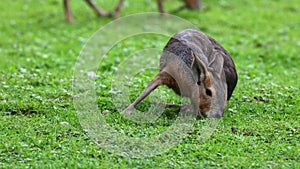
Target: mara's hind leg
(157, 81)
(99, 11)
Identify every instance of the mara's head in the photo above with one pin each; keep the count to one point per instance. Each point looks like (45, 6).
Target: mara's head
(212, 86)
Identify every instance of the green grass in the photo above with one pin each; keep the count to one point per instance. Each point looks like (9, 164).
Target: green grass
(38, 52)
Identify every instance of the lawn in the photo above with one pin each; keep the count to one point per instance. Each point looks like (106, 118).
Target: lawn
(39, 124)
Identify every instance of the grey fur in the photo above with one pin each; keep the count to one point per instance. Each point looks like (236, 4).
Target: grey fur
(194, 65)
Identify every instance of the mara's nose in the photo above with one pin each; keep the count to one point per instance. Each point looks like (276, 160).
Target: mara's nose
(215, 114)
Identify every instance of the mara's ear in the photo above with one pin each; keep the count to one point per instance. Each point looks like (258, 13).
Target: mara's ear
(217, 64)
(199, 69)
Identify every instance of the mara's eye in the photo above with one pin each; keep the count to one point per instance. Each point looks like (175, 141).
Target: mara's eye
(208, 92)
(198, 83)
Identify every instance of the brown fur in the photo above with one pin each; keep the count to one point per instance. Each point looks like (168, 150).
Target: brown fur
(204, 102)
(192, 4)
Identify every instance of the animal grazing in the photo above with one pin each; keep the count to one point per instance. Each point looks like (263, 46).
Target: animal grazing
(194, 65)
(190, 4)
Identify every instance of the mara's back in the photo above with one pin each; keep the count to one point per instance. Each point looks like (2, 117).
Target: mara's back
(206, 48)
